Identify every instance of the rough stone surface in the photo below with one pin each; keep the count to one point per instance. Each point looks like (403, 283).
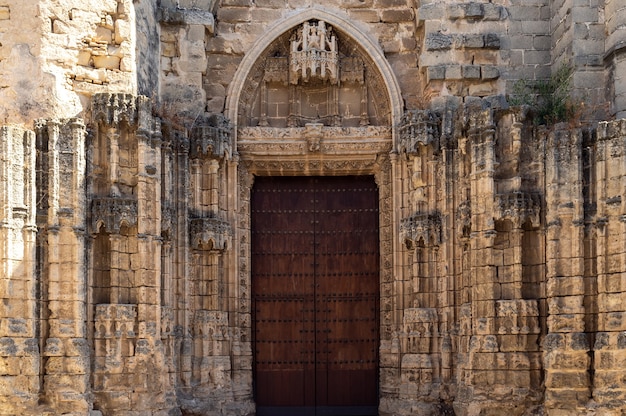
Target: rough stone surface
(130, 136)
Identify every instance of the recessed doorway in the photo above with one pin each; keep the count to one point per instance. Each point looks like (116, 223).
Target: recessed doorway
(315, 294)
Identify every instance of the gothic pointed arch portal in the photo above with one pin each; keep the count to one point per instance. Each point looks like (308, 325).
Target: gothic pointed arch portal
(314, 98)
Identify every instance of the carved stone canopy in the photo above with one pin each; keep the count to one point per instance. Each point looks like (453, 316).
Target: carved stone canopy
(113, 213)
(313, 53)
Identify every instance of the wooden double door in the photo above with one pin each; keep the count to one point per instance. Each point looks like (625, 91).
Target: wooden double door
(315, 295)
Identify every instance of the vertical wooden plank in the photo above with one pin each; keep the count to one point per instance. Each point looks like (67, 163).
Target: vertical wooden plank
(347, 276)
(282, 279)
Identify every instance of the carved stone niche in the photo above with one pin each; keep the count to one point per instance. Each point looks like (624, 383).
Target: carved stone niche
(210, 234)
(211, 138)
(113, 213)
(314, 74)
(421, 227)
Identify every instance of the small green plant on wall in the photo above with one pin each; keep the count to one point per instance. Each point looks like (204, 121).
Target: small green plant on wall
(550, 99)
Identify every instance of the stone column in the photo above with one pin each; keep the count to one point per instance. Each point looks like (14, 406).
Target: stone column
(19, 352)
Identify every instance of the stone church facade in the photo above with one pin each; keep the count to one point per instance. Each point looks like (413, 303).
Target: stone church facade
(141, 139)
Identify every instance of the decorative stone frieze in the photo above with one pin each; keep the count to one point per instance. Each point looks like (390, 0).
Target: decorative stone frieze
(112, 109)
(519, 207)
(314, 138)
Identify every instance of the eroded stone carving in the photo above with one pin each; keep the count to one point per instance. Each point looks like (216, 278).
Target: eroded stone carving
(424, 228)
(419, 128)
(210, 234)
(211, 138)
(519, 207)
(113, 213)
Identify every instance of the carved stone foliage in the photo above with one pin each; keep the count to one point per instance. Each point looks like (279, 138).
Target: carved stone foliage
(419, 128)
(210, 234)
(314, 74)
(113, 213)
(424, 227)
(211, 138)
(519, 207)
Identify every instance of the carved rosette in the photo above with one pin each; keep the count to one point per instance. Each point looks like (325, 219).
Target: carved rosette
(425, 227)
(519, 207)
(210, 234)
(112, 213)
(419, 128)
(212, 139)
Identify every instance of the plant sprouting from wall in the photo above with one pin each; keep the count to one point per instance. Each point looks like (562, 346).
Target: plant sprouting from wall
(550, 99)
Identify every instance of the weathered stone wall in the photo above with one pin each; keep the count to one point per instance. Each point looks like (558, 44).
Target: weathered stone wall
(614, 18)
(578, 41)
(147, 47)
(56, 54)
(125, 212)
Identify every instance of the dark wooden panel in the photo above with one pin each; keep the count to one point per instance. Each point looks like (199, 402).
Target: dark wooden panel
(347, 294)
(282, 287)
(315, 267)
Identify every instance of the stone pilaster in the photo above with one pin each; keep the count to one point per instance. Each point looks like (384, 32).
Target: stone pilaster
(566, 346)
(67, 359)
(484, 286)
(610, 342)
(19, 352)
